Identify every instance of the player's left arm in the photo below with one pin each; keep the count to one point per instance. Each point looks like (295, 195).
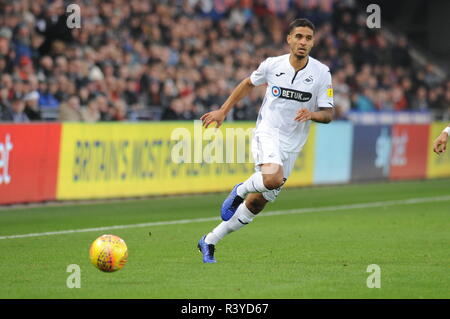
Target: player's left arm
(325, 103)
(324, 115)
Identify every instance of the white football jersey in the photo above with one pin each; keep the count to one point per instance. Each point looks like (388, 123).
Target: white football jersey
(287, 92)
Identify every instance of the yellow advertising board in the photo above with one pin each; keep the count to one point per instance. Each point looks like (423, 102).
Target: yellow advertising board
(437, 165)
(107, 160)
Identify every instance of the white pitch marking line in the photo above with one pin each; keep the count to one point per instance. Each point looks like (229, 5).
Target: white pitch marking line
(270, 213)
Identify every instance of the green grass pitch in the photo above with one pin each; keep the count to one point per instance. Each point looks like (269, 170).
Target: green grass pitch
(320, 253)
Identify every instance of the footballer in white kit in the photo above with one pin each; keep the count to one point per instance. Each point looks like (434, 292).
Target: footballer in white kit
(299, 89)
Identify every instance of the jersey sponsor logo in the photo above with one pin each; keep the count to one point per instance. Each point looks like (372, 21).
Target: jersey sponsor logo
(290, 94)
(330, 92)
(276, 91)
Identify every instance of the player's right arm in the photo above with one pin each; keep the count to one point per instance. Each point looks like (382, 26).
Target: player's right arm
(440, 143)
(238, 94)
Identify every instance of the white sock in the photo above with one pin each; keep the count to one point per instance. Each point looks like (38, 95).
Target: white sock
(242, 217)
(254, 184)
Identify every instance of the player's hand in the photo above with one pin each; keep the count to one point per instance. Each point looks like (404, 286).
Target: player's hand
(217, 116)
(303, 115)
(440, 144)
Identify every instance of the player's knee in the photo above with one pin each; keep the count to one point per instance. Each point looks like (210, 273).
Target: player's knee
(255, 205)
(272, 181)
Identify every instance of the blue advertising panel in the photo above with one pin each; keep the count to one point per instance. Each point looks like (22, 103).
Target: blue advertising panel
(333, 153)
(371, 152)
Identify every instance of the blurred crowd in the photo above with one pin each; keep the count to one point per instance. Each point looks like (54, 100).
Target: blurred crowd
(176, 59)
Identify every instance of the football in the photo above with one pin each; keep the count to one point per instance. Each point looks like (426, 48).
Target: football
(108, 253)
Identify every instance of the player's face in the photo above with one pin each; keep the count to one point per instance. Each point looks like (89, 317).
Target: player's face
(301, 41)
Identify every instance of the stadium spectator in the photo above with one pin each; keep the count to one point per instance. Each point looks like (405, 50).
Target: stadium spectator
(363, 101)
(104, 108)
(46, 98)
(5, 104)
(420, 102)
(382, 100)
(178, 111)
(399, 98)
(32, 109)
(131, 93)
(70, 110)
(90, 113)
(16, 112)
(119, 111)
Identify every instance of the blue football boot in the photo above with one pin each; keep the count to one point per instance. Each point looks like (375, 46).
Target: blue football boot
(231, 204)
(207, 251)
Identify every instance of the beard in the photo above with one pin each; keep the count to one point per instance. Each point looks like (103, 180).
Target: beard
(300, 56)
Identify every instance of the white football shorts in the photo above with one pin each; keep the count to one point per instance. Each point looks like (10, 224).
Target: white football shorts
(266, 149)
